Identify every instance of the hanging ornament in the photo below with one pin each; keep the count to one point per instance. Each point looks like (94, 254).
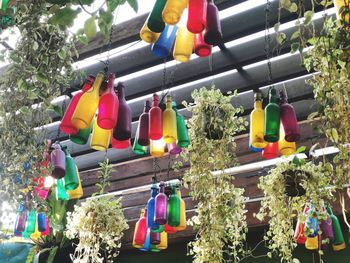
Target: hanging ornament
(161, 206)
(270, 151)
(147, 34)
(21, 219)
(143, 138)
(83, 135)
(285, 148)
(77, 192)
(108, 106)
(58, 161)
(338, 242)
(182, 132)
(155, 120)
(311, 223)
(182, 225)
(197, 16)
(272, 118)
(256, 134)
(162, 48)
(122, 130)
(147, 243)
(61, 193)
(158, 228)
(201, 48)
(174, 208)
(137, 148)
(36, 235)
(150, 208)
(140, 232)
(155, 21)
(169, 229)
(133, 240)
(100, 138)
(311, 243)
(173, 10)
(327, 232)
(87, 105)
(299, 236)
(47, 229)
(120, 144)
(174, 149)
(212, 33)
(30, 229)
(163, 241)
(71, 180)
(66, 125)
(157, 148)
(155, 238)
(183, 45)
(169, 123)
(41, 222)
(289, 119)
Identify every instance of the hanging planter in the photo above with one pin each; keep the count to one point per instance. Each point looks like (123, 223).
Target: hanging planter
(212, 119)
(293, 182)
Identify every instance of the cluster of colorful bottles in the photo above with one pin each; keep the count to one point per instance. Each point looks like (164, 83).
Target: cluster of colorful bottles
(113, 121)
(158, 128)
(31, 224)
(163, 215)
(308, 234)
(185, 24)
(274, 129)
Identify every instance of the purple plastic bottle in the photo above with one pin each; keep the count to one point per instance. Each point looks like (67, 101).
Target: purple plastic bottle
(289, 119)
(161, 206)
(122, 130)
(212, 33)
(144, 125)
(58, 161)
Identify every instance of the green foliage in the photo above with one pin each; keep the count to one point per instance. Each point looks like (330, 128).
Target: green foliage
(104, 175)
(220, 220)
(64, 16)
(283, 210)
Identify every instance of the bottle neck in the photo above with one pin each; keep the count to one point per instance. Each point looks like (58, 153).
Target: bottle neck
(155, 102)
(162, 189)
(258, 104)
(121, 94)
(179, 193)
(169, 105)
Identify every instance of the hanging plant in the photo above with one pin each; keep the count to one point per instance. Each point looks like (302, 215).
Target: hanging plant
(99, 224)
(220, 221)
(287, 188)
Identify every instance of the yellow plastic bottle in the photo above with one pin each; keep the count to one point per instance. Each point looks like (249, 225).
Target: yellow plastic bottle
(257, 123)
(87, 105)
(148, 35)
(285, 148)
(169, 123)
(311, 243)
(157, 147)
(183, 45)
(163, 241)
(339, 4)
(173, 10)
(77, 192)
(100, 138)
(36, 235)
(182, 225)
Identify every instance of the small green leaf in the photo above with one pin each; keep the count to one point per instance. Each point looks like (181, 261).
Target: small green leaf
(90, 29)
(293, 8)
(294, 47)
(308, 17)
(24, 110)
(42, 78)
(277, 26)
(83, 39)
(52, 254)
(105, 21)
(35, 45)
(62, 54)
(295, 35)
(134, 5)
(335, 136)
(64, 17)
(57, 109)
(281, 38)
(301, 149)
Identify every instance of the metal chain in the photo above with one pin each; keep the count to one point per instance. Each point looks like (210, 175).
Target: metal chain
(268, 40)
(155, 168)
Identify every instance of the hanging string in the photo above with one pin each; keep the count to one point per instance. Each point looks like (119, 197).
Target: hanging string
(156, 167)
(211, 63)
(268, 41)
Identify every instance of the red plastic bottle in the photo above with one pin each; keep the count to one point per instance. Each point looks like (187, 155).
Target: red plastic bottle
(155, 120)
(66, 125)
(197, 15)
(201, 48)
(141, 231)
(270, 151)
(108, 106)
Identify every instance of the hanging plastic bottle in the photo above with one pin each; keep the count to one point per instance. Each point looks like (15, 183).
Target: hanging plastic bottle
(30, 229)
(170, 229)
(47, 229)
(256, 134)
(285, 148)
(66, 125)
(174, 149)
(270, 151)
(161, 206)
(71, 180)
(201, 48)
(311, 224)
(108, 107)
(174, 208)
(163, 241)
(77, 192)
(147, 243)
(83, 135)
(272, 118)
(311, 243)
(173, 10)
(148, 35)
(41, 222)
(133, 240)
(143, 134)
(120, 144)
(327, 232)
(338, 242)
(155, 120)
(182, 132)
(155, 21)
(169, 123)
(122, 130)
(87, 105)
(137, 148)
(58, 161)
(61, 193)
(162, 48)
(140, 232)
(158, 229)
(299, 236)
(289, 119)
(197, 16)
(100, 138)
(150, 208)
(157, 148)
(21, 219)
(183, 45)
(155, 238)
(36, 235)
(213, 33)
(182, 225)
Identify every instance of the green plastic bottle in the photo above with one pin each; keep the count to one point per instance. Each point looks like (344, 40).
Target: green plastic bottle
(71, 180)
(338, 242)
(174, 208)
(272, 118)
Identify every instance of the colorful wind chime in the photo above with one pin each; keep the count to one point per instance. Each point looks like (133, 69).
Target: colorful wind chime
(158, 129)
(113, 120)
(274, 129)
(307, 233)
(186, 25)
(30, 224)
(163, 215)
